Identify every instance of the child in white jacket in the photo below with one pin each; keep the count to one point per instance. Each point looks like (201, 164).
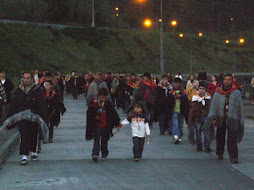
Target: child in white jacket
(139, 127)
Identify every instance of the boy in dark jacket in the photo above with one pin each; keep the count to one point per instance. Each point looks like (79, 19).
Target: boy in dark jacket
(162, 105)
(101, 119)
(179, 109)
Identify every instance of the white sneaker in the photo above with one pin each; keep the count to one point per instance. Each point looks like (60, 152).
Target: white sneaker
(24, 160)
(34, 157)
(176, 139)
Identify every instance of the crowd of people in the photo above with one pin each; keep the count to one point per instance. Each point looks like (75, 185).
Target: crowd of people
(143, 98)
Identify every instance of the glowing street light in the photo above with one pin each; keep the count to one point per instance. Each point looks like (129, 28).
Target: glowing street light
(174, 23)
(117, 14)
(147, 23)
(200, 34)
(160, 20)
(116, 8)
(241, 40)
(181, 35)
(141, 1)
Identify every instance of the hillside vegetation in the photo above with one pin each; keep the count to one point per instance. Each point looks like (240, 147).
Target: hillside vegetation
(25, 47)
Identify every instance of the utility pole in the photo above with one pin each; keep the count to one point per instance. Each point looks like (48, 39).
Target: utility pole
(234, 58)
(161, 42)
(191, 69)
(93, 17)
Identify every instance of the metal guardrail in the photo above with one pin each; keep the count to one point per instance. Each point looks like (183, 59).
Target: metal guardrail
(59, 26)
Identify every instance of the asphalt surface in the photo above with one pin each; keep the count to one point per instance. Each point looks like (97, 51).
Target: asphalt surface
(66, 163)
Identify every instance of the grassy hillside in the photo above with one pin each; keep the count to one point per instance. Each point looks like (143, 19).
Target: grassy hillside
(31, 47)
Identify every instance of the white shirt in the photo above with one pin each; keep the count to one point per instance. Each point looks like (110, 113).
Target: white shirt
(138, 127)
(36, 79)
(3, 81)
(179, 76)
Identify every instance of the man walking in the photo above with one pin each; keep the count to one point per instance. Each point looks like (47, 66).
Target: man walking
(226, 112)
(28, 96)
(95, 86)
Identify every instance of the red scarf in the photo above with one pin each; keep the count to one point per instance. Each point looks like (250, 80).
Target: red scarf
(49, 95)
(182, 93)
(219, 90)
(152, 85)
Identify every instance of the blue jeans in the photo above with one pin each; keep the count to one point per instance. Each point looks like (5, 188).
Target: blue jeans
(199, 130)
(177, 119)
(165, 123)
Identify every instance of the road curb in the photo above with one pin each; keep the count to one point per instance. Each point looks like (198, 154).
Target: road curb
(7, 146)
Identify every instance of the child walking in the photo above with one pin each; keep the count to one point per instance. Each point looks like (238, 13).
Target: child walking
(179, 108)
(101, 119)
(199, 109)
(139, 127)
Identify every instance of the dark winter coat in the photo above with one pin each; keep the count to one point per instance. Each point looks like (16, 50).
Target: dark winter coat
(59, 95)
(162, 100)
(54, 105)
(8, 87)
(113, 119)
(146, 92)
(33, 100)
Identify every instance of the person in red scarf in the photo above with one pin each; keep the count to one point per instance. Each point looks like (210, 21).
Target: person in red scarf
(53, 102)
(235, 82)
(226, 112)
(213, 85)
(147, 94)
(101, 119)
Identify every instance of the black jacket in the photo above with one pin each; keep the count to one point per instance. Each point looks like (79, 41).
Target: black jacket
(162, 101)
(54, 105)
(33, 100)
(8, 86)
(113, 119)
(202, 76)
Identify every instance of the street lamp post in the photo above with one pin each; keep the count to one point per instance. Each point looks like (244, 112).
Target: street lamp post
(234, 57)
(233, 20)
(191, 65)
(93, 16)
(161, 42)
(241, 41)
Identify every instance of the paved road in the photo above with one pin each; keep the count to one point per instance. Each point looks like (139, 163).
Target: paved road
(66, 164)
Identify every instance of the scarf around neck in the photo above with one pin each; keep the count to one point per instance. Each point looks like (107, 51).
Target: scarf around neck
(222, 92)
(152, 85)
(201, 99)
(180, 95)
(167, 88)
